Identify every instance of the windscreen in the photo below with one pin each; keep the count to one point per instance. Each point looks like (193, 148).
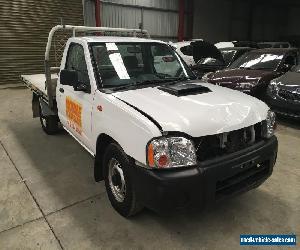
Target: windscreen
(119, 64)
(264, 61)
(228, 56)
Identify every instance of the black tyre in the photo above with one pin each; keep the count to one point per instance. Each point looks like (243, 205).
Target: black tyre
(118, 185)
(50, 124)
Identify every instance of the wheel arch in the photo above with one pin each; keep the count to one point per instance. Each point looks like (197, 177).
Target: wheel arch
(103, 141)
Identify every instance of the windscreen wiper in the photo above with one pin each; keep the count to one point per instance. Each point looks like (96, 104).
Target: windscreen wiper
(165, 80)
(148, 82)
(135, 84)
(124, 86)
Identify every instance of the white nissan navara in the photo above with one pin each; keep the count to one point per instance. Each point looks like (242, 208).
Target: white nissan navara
(160, 138)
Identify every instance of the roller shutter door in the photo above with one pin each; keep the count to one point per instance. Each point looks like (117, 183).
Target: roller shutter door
(24, 28)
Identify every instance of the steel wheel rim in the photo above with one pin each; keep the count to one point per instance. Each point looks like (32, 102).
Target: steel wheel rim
(116, 180)
(43, 119)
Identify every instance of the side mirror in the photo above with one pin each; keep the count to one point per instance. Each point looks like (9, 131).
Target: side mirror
(286, 67)
(69, 77)
(82, 87)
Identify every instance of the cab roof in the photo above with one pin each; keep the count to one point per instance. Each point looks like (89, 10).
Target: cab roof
(116, 39)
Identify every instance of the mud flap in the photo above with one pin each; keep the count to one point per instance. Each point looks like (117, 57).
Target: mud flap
(36, 102)
(35, 106)
(46, 111)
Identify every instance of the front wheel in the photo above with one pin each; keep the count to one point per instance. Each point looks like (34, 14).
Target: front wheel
(118, 185)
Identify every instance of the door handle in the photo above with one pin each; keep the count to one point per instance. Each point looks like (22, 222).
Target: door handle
(61, 90)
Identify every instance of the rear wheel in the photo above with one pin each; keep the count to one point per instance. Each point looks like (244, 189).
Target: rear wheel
(118, 184)
(49, 123)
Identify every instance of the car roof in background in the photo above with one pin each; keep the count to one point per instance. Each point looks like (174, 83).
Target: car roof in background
(274, 50)
(236, 48)
(274, 43)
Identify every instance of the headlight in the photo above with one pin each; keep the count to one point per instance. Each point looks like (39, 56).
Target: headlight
(170, 152)
(273, 88)
(269, 125)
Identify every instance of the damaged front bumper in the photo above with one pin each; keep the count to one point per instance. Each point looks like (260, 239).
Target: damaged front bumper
(167, 190)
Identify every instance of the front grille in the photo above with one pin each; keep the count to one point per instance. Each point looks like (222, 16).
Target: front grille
(211, 146)
(289, 95)
(253, 173)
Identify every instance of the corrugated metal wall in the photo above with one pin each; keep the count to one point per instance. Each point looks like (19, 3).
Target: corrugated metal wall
(159, 17)
(24, 27)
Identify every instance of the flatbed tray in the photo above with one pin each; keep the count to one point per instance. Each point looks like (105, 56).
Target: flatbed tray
(37, 84)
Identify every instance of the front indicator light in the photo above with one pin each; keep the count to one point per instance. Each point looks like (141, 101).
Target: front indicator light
(150, 156)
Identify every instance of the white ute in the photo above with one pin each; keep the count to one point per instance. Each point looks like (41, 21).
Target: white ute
(161, 138)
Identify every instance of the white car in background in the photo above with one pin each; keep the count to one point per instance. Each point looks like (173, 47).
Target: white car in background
(185, 50)
(230, 44)
(222, 45)
(264, 45)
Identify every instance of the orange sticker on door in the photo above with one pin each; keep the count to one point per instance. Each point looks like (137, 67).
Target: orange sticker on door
(73, 112)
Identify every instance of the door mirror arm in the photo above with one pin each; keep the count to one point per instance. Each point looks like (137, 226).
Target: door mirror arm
(82, 87)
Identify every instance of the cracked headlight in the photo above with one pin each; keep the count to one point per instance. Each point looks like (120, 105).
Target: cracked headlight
(269, 125)
(171, 152)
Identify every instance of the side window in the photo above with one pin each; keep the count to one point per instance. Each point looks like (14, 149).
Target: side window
(76, 61)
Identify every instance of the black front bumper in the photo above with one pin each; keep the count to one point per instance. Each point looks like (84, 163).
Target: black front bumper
(167, 190)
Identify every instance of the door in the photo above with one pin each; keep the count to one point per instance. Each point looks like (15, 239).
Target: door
(75, 107)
